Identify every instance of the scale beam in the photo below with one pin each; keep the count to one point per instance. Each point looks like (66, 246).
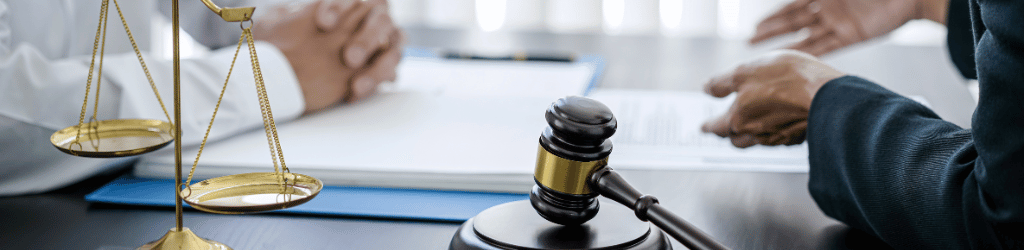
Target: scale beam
(231, 14)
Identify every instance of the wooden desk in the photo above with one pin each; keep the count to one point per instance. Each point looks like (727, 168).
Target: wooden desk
(743, 210)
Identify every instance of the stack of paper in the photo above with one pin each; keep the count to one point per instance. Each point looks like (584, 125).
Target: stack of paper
(468, 125)
(446, 124)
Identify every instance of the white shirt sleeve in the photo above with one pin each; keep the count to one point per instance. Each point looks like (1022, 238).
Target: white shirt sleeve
(209, 29)
(39, 96)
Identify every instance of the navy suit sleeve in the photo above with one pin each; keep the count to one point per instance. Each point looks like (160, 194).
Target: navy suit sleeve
(999, 119)
(960, 38)
(891, 167)
(887, 165)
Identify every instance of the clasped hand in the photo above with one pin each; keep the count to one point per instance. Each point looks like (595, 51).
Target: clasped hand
(340, 50)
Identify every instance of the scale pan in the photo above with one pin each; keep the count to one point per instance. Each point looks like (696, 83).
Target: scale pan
(113, 138)
(251, 193)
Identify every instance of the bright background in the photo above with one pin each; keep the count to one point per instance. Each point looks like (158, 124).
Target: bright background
(727, 20)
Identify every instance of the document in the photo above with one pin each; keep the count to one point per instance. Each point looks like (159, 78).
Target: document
(395, 139)
(475, 126)
(661, 130)
(445, 124)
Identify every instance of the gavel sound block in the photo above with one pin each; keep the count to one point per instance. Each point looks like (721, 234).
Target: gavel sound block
(562, 212)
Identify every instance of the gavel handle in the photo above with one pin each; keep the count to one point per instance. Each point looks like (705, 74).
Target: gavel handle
(610, 184)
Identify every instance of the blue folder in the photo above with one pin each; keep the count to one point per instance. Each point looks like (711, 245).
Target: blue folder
(385, 203)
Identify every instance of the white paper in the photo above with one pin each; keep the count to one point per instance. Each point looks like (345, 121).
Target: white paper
(469, 126)
(404, 139)
(445, 124)
(661, 130)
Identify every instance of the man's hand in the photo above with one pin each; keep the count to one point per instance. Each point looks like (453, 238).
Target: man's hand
(773, 97)
(834, 24)
(340, 50)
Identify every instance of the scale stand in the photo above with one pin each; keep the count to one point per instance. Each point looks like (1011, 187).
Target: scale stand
(516, 225)
(181, 237)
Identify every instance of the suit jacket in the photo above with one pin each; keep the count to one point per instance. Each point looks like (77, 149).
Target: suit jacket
(891, 167)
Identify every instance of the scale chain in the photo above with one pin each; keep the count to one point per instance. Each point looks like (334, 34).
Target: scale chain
(273, 125)
(269, 125)
(93, 122)
(263, 103)
(260, 84)
(100, 43)
(92, 63)
(215, 108)
(142, 62)
(261, 93)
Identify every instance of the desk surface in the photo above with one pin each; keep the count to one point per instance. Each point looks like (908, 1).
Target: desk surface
(743, 210)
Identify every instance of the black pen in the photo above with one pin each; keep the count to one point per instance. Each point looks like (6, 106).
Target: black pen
(519, 56)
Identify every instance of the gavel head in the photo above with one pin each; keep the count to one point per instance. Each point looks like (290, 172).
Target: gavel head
(574, 144)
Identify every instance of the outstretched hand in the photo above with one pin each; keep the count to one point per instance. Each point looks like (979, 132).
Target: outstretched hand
(834, 24)
(340, 49)
(773, 98)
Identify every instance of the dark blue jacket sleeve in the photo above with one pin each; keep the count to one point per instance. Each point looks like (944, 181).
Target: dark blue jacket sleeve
(891, 167)
(960, 37)
(887, 165)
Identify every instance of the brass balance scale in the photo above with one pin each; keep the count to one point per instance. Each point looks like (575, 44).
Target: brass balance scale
(233, 194)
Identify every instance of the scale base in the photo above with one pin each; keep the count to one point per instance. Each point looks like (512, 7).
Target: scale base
(184, 239)
(516, 225)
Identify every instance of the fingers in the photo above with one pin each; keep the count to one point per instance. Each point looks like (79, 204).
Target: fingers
(822, 40)
(719, 126)
(329, 13)
(385, 63)
(795, 134)
(725, 84)
(791, 23)
(371, 35)
(788, 9)
(757, 117)
(743, 141)
(818, 32)
(381, 68)
(825, 46)
(392, 56)
(791, 18)
(354, 16)
(721, 86)
(772, 97)
(349, 22)
(790, 135)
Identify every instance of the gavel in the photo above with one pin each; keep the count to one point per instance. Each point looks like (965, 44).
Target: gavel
(572, 171)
